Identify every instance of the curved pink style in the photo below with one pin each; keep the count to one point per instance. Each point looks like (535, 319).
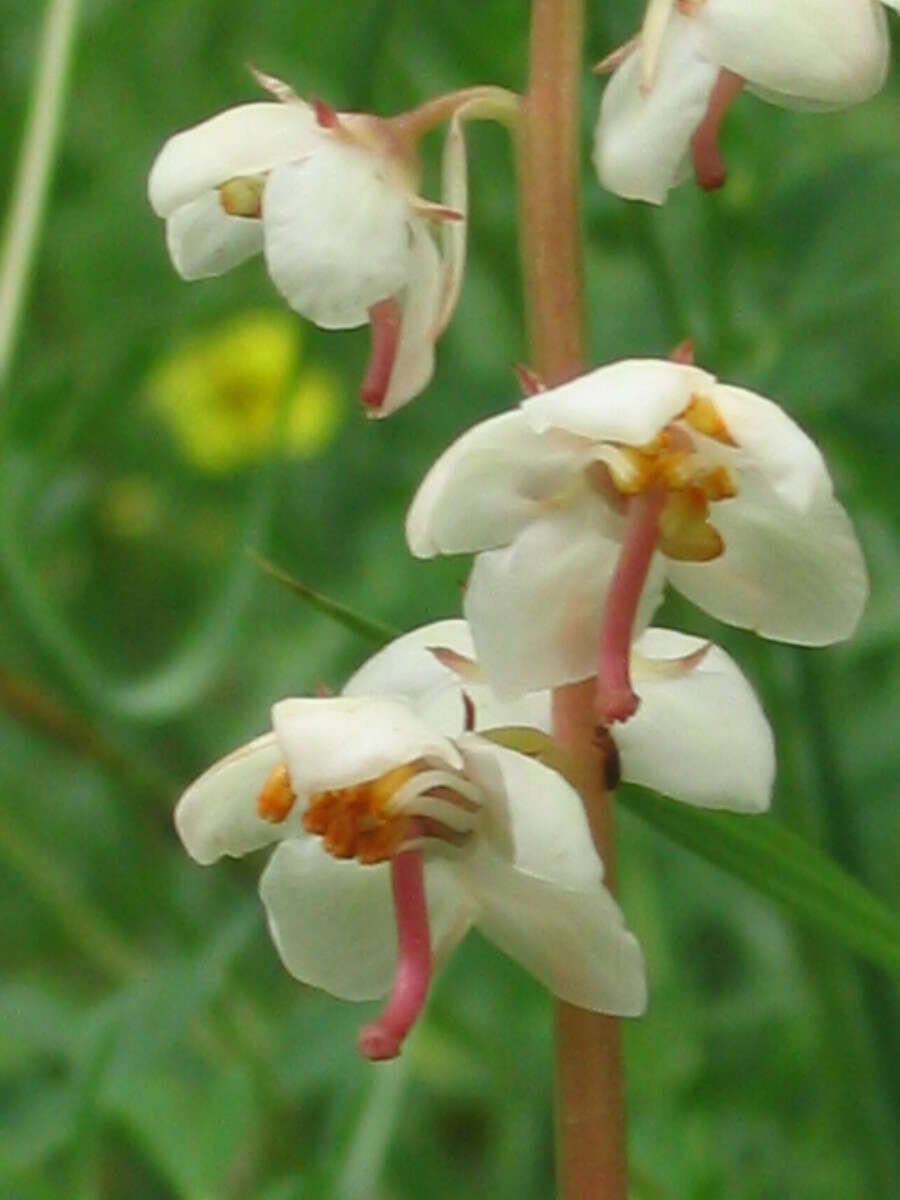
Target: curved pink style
(615, 699)
(709, 169)
(384, 1037)
(384, 320)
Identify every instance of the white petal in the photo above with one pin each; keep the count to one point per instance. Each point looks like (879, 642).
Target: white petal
(203, 240)
(773, 446)
(828, 52)
(701, 737)
(408, 669)
(333, 921)
(247, 140)
(487, 487)
(532, 817)
(454, 193)
(535, 607)
(335, 743)
(574, 942)
(628, 401)
(642, 138)
(217, 814)
(796, 576)
(414, 360)
(337, 236)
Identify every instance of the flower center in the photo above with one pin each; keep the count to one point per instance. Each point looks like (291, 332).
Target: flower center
(242, 196)
(691, 482)
(664, 491)
(375, 820)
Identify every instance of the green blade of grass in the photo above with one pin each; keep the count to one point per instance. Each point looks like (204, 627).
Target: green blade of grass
(376, 632)
(783, 867)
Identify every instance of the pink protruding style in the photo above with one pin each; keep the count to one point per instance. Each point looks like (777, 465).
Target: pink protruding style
(384, 320)
(615, 699)
(709, 169)
(384, 1037)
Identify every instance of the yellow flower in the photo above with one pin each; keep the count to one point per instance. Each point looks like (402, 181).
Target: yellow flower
(221, 394)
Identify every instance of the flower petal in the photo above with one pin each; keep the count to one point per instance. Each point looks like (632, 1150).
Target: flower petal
(796, 575)
(335, 743)
(414, 360)
(203, 240)
(535, 608)
(332, 921)
(337, 235)
(574, 942)
(487, 487)
(628, 401)
(829, 53)
(408, 669)
(217, 814)
(247, 140)
(642, 138)
(455, 194)
(532, 817)
(701, 736)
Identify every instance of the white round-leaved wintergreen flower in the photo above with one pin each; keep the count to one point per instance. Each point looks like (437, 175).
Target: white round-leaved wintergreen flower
(585, 500)
(329, 199)
(672, 85)
(393, 838)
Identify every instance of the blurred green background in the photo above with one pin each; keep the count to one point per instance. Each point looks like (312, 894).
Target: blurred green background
(151, 1046)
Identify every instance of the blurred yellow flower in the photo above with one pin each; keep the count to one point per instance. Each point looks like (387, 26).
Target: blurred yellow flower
(221, 394)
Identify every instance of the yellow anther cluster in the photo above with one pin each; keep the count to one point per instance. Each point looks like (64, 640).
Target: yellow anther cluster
(670, 463)
(355, 822)
(242, 196)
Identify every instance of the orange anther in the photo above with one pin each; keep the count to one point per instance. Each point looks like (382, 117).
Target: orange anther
(276, 799)
(701, 414)
(685, 534)
(718, 484)
(242, 196)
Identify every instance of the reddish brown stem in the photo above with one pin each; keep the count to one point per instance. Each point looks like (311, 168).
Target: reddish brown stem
(590, 1131)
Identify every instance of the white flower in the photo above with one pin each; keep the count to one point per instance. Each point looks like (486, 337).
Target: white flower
(672, 85)
(585, 500)
(367, 797)
(330, 201)
(699, 736)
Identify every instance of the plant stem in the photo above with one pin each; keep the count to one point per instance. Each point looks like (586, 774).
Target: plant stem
(549, 148)
(484, 102)
(33, 175)
(590, 1100)
(590, 1127)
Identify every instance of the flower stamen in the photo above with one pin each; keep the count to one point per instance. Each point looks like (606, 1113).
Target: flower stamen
(242, 196)
(277, 797)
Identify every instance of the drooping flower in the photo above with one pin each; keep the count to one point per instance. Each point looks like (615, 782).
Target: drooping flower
(673, 84)
(374, 809)
(581, 503)
(330, 200)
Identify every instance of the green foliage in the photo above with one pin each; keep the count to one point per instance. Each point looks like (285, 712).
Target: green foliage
(151, 1047)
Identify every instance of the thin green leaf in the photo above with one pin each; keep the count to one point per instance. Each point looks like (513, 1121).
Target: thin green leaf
(376, 632)
(784, 867)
